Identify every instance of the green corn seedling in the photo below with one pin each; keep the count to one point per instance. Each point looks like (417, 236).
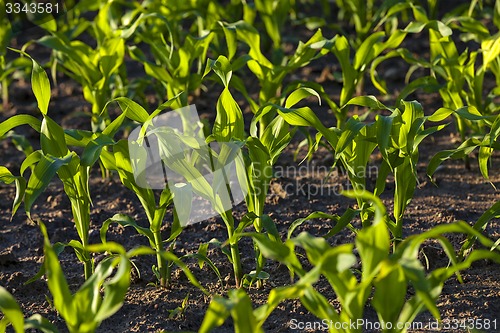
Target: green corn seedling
(5, 36)
(196, 16)
(361, 13)
(84, 310)
(428, 83)
(54, 158)
(8, 68)
(274, 15)
(121, 161)
(486, 144)
(173, 62)
(154, 212)
(73, 22)
(228, 127)
(96, 300)
(354, 70)
(96, 69)
(174, 10)
(398, 138)
(463, 73)
(270, 75)
(453, 68)
(87, 308)
(390, 275)
(354, 150)
(263, 148)
(370, 16)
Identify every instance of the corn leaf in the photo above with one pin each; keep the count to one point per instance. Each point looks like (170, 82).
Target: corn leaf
(133, 110)
(40, 323)
(58, 286)
(42, 175)
(480, 225)
(373, 246)
(41, 87)
(390, 288)
(18, 120)
(11, 310)
(52, 138)
(114, 291)
(229, 120)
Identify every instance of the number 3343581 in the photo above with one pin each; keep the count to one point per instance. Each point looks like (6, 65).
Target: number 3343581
(31, 8)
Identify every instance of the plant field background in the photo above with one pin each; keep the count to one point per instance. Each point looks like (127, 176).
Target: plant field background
(462, 195)
(460, 191)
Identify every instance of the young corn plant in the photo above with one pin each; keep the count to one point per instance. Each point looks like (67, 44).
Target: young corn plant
(463, 73)
(270, 75)
(173, 62)
(353, 151)
(457, 70)
(256, 171)
(5, 37)
(8, 68)
(195, 16)
(486, 144)
(229, 128)
(361, 13)
(127, 163)
(262, 151)
(274, 14)
(87, 308)
(118, 159)
(369, 16)
(398, 138)
(82, 311)
(54, 158)
(354, 70)
(155, 212)
(420, 23)
(174, 10)
(98, 69)
(389, 275)
(100, 297)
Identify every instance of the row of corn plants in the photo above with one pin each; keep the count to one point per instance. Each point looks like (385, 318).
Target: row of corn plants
(185, 48)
